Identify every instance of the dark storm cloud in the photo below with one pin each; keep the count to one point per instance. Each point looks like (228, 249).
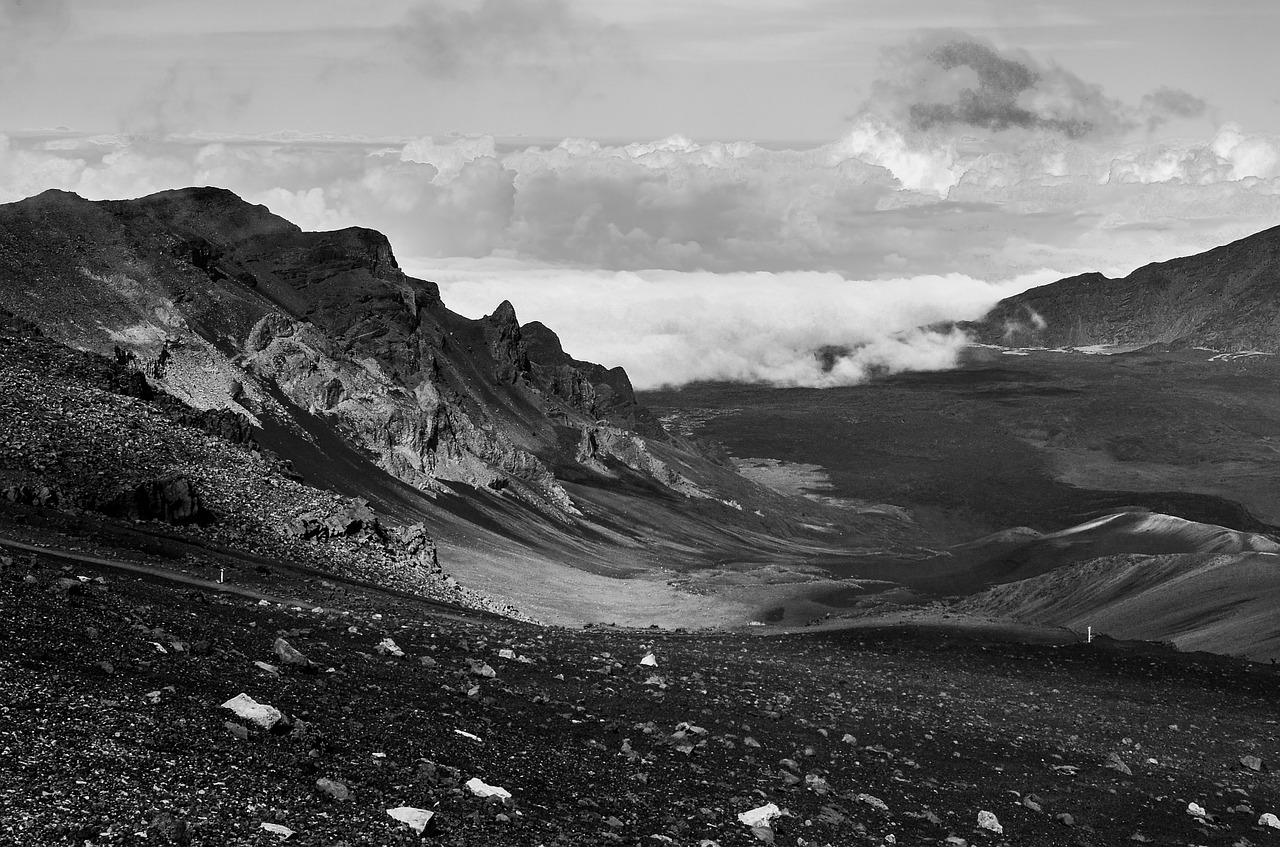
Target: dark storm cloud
(952, 79)
(441, 39)
(993, 103)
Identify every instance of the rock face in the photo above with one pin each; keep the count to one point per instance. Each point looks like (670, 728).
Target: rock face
(1225, 299)
(243, 316)
(171, 498)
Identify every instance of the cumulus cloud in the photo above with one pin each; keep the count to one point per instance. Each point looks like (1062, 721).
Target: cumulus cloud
(446, 38)
(672, 328)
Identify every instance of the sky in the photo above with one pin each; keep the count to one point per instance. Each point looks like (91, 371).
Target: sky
(694, 189)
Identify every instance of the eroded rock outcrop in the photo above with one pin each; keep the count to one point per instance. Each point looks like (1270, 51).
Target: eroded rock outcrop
(242, 315)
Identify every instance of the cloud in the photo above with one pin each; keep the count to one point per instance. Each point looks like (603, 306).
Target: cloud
(698, 260)
(672, 328)
(446, 38)
(947, 80)
(1166, 104)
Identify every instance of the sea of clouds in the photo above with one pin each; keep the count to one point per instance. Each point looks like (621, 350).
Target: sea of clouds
(969, 174)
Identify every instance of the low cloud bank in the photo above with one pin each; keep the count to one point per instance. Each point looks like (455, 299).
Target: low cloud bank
(673, 328)
(690, 260)
(879, 202)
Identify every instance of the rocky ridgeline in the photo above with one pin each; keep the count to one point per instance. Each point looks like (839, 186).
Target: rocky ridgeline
(1224, 299)
(245, 317)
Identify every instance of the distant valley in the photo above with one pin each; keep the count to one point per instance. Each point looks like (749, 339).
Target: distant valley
(370, 431)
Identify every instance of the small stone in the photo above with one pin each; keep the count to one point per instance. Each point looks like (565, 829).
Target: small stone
(1033, 803)
(1252, 763)
(387, 647)
(237, 730)
(989, 822)
(258, 713)
(1196, 810)
(1117, 764)
(332, 789)
(289, 655)
(481, 669)
(1270, 820)
(283, 831)
(480, 788)
(1065, 819)
(417, 819)
(759, 816)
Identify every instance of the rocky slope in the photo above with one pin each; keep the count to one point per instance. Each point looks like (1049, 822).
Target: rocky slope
(521, 460)
(112, 693)
(228, 306)
(88, 444)
(1225, 299)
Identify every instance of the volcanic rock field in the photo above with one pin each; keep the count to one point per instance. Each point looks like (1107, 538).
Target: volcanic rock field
(292, 553)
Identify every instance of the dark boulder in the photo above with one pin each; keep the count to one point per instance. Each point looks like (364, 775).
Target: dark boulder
(171, 498)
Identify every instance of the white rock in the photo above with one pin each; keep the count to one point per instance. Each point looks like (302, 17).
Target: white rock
(988, 821)
(416, 818)
(251, 710)
(466, 734)
(760, 816)
(387, 647)
(480, 788)
(1270, 820)
(506, 653)
(1196, 810)
(649, 660)
(283, 831)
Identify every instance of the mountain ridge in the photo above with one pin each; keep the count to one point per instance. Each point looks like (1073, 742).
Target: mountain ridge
(539, 476)
(1224, 299)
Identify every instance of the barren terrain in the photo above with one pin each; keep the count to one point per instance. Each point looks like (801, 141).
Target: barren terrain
(114, 730)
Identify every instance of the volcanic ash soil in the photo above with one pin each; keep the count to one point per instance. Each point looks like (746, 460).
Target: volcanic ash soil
(113, 729)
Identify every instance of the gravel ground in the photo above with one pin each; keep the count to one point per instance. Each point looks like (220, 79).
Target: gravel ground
(112, 729)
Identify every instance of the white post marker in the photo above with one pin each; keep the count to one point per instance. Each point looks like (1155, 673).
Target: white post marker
(1090, 641)
(222, 573)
